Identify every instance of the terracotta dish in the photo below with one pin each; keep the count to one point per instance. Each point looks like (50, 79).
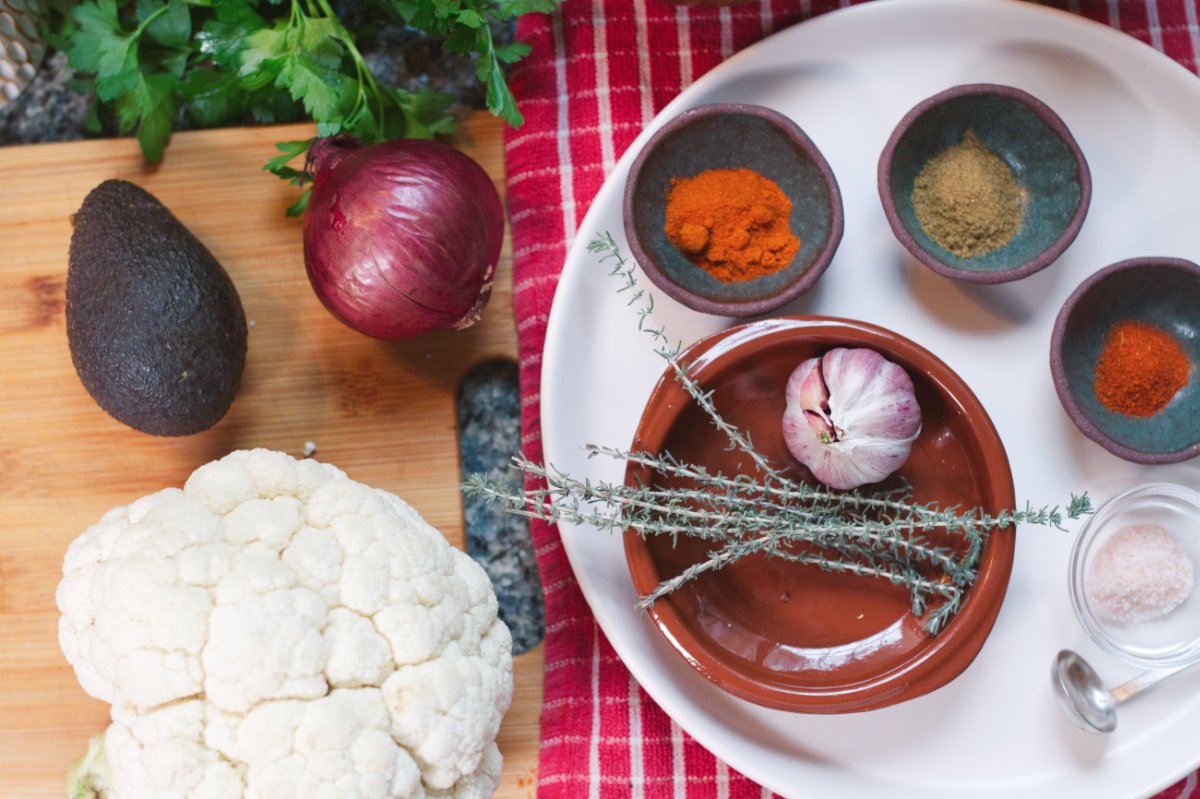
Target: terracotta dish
(790, 636)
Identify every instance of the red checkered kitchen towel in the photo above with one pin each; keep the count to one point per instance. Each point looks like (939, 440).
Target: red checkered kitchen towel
(598, 72)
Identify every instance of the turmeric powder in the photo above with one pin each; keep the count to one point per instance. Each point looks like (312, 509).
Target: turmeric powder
(734, 223)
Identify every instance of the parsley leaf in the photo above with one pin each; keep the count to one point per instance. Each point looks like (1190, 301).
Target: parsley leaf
(289, 151)
(221, 61)
(173, 28)
(515, 8)
(223, 38)
(150, 108)
(297, 208)
(513, 52)
(99, 45)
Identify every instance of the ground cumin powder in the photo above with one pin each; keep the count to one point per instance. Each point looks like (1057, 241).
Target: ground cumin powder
(734, 223)
(967, 199)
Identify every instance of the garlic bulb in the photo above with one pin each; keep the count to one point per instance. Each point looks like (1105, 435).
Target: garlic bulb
(851, 417)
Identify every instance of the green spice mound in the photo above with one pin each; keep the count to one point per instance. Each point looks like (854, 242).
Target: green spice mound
(967, 199)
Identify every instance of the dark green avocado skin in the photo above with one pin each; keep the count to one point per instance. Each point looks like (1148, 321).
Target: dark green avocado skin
(155, 326)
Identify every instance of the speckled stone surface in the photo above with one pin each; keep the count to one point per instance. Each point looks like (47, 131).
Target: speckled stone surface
(48, 109)
(489, 421)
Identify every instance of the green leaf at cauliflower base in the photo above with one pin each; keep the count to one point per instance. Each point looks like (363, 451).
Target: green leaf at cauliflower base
(88, 777)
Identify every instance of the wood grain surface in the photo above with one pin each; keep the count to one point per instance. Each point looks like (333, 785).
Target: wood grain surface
(383, 412)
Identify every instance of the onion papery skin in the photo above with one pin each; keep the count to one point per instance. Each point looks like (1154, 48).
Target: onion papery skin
(401, 237)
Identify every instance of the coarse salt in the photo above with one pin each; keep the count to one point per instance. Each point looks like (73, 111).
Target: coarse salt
(1138, 573)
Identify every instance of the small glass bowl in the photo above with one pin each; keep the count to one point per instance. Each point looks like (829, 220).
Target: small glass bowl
(1170, 640)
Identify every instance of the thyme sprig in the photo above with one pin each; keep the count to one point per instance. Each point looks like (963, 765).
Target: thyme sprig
(884, 535)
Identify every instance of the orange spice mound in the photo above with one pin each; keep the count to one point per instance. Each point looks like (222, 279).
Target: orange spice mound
(734, 223)
(1140, 369)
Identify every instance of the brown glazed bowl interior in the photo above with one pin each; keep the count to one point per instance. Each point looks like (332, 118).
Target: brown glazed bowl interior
(790, 636)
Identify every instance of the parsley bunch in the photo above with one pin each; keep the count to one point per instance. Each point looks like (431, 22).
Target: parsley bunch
(223, 61)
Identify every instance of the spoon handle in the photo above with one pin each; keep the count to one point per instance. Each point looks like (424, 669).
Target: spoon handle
(1143, 681)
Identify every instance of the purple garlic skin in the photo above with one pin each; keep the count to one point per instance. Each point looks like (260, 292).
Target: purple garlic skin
(851, 417)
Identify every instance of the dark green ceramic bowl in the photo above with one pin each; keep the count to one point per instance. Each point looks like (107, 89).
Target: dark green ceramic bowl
(1164, 292)
(1035, 143)
(727, 136)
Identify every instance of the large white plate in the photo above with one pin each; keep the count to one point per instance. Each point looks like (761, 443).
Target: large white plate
(847, 78)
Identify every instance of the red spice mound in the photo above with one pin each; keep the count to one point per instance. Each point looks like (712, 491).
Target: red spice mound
(1140, 370)
(734, 223)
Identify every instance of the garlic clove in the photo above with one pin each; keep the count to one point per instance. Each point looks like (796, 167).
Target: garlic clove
(810, 385)
(870, 460)
(869, 396)
(807, 388)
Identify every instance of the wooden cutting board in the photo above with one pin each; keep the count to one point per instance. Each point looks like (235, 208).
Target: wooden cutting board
(383, 412)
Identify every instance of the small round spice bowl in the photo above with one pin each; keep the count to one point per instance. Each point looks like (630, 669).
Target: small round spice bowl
(1124, 355)
(984, 183)
(732, 210)
(1132, 576)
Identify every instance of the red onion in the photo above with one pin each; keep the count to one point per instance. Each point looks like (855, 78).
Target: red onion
(401, 237)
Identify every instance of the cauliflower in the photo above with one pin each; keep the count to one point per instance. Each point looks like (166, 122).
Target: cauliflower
(276, 629)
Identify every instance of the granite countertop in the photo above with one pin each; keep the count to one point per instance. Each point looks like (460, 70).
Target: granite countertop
(49, 109)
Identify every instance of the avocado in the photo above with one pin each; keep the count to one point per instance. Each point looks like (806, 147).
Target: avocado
(155, 325)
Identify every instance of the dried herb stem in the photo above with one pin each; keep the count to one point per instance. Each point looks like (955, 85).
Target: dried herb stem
(723, 517)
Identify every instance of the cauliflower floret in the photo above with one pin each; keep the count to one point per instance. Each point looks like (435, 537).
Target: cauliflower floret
(277, 629)
(329, 748)
(435, 703)
(162, 753)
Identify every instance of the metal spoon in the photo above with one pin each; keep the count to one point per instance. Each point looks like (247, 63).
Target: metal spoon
(1089, 704)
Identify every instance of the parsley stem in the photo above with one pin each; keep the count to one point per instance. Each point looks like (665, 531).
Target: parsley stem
(365, 76)
(158, 12)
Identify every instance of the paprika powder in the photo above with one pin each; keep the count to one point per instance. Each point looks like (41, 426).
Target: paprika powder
(1140, 369)
(733, 223)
